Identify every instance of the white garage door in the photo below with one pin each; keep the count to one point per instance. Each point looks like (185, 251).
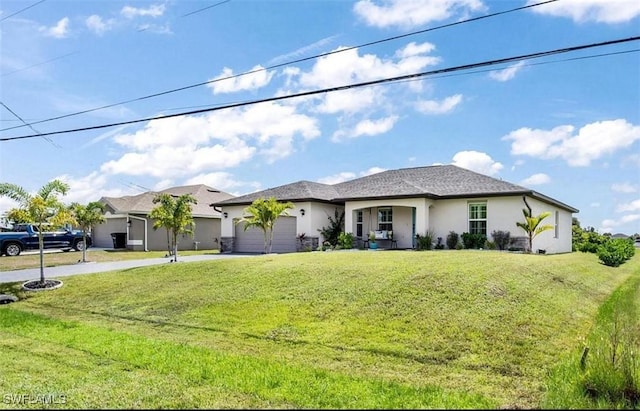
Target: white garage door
(252, 240)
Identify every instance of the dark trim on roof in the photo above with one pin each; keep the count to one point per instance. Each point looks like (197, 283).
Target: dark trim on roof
(293, 200)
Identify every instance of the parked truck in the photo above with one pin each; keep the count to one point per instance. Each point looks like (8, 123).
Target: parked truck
(25, 237)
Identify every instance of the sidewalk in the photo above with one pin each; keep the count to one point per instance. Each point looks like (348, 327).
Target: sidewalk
(92, 267)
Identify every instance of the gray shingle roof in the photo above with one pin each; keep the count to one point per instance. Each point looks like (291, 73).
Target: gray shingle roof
(431, 181)
(143, 203)
(438, 181)
(298, 191)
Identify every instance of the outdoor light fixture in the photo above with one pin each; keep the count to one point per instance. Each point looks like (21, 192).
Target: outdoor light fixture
(302, 211)
(225, 214)
(128, 223)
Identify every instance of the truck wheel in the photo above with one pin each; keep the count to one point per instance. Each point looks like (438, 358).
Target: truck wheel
(79, 245)
(12, 249)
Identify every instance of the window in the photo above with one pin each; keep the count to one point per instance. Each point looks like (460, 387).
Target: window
(359, 223)
(478, 218)
(385, 219)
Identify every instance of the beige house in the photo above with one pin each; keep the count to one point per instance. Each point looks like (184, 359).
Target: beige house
(405, 202)
(128, 224)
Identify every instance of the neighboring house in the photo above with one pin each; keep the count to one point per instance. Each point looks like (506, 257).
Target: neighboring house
(410, 201)
(129, 226)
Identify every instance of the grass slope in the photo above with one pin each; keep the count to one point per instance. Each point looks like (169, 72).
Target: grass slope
(446, 329)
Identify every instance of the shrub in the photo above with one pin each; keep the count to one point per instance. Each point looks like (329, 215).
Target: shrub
(590, 241)
(425, 242)
(439, 246)
(501, 239)
(474, 241)
(615, 252)
(345, 240)
(453, 240)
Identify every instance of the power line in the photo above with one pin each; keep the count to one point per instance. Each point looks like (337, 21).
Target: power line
(20, 11)
(22, 120)
(347, 87)
(205, 8)
(37, 64)
(286, 63)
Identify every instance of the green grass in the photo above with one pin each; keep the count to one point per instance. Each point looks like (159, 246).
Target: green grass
(54, 259)
(445, 329)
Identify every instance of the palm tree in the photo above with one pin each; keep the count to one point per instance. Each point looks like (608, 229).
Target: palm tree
(38, 209)
(87, 216)
(174, 214)
(532, 226)
(263, 215)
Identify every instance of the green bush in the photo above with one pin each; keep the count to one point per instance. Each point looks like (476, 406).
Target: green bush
(615, 252)
(345, 240)
(452, 240)
(473, 241)
(425, 241)
(590, 241)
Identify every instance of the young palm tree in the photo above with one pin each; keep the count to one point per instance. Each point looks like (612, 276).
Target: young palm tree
(174, 214)
(532, 226)
(38, 209)
(87, 216)
(263, 215)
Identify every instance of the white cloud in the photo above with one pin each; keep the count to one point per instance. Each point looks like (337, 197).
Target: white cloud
(349, 101)
(536, 179)
(366, 127)
(258, 78)
(97, 25)
(632, 206)
(592, 141)
(348, 67)
(373, 127)
(439, 107)
(508, 73)
(296, 54)
(622, 224)
(477, 161)
(624, 188)
(59, 31)
(88, 188)
(372, 170)
(186, 145)
(337, 178)
(412, 13)
(155, 10)
(601, 11)
(594, 205)
(221, 180)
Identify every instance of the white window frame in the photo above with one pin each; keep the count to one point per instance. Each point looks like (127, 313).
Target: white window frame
(476, 218)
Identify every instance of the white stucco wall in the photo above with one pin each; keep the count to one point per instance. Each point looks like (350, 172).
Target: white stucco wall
(502, 214)
(441, 216)
(315, 218)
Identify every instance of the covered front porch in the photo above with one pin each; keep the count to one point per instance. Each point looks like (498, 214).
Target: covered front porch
(395, 222)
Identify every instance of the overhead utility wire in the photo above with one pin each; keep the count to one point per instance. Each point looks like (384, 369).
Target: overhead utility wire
(20, 11)
(22, 120)
(345, 87)
(542, 63)
(284, 64)
(205, 8)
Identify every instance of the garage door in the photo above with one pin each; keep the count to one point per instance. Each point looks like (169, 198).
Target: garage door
(252, 240)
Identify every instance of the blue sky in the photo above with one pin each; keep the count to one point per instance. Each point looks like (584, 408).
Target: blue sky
(566, 125)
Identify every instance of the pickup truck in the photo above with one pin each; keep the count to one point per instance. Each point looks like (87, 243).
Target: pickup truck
(25, 237)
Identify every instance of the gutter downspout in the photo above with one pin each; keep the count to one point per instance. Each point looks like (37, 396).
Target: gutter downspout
(145, 229)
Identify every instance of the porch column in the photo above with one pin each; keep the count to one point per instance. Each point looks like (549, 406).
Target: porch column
(422, 216)
(348, 218)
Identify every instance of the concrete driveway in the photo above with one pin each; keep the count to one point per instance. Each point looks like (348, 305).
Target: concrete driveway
(92, 267)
